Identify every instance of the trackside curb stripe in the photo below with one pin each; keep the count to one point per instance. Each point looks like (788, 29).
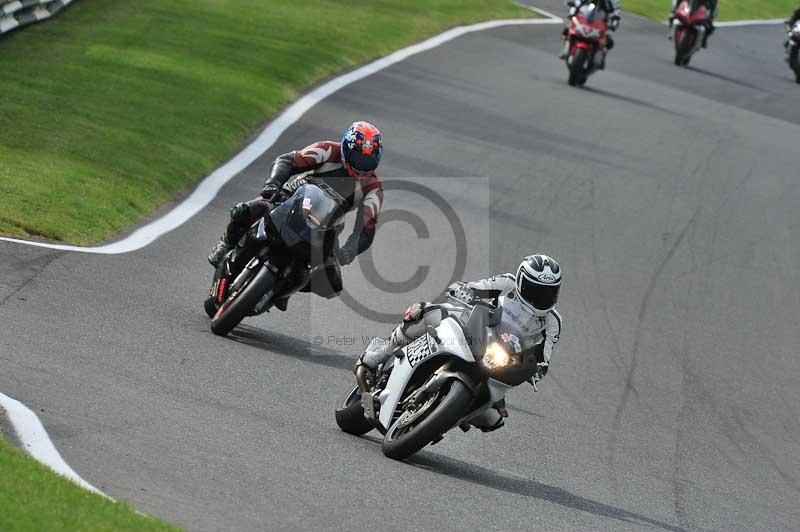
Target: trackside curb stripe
(36, 442)
(211, 185)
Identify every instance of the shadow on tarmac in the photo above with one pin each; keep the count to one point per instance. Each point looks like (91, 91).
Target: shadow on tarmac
(468, 472)
(290, 346)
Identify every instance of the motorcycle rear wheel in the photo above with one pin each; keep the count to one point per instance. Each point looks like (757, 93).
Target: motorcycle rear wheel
(350, 415)
(231, 312)
(443, 416)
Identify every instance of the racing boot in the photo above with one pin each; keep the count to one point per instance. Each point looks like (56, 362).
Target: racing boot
(282, 304)
(707, 34)
(219, 251)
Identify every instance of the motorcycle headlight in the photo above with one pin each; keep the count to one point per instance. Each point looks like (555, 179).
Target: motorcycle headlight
(496, 356)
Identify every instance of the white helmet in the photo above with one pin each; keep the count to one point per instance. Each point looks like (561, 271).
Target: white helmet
(538, 283)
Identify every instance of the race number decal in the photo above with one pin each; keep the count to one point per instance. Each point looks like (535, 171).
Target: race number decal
(420, 349)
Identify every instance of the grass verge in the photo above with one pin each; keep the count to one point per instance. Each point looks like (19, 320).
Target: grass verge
(112, 108)
(728, 9)
(34, 498)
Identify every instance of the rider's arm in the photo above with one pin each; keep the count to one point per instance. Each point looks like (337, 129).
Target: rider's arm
(295, 162)
(794, 18)
(552, 332)
(616, 10)
(498, 285)
(366, 219)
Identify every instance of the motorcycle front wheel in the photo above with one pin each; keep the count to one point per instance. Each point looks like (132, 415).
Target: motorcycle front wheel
(239, 304)
(576, 70)
(682, 47)
(350, 414)
(403, 440)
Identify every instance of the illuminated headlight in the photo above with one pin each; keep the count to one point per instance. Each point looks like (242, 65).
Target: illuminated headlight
(496, 356)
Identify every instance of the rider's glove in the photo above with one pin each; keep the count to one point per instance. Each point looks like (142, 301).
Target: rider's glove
(453, 288)
(345, 255)
(461, 292)
(271, 192)
(614, 23)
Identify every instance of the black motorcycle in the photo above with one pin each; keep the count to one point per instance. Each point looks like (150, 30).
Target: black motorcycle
(277, 256)
(793, 49)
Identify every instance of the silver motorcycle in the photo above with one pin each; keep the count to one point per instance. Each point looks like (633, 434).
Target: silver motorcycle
(449, 377)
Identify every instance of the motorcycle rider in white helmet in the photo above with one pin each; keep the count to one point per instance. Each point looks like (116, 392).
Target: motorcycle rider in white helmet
(528, 298)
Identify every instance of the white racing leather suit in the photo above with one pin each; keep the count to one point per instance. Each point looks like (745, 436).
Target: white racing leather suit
(541, 330)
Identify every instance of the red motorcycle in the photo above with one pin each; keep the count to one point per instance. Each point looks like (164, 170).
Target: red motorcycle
(692, 21)
(587, 43)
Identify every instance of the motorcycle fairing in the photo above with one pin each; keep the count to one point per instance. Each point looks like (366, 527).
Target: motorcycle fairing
(452, 343)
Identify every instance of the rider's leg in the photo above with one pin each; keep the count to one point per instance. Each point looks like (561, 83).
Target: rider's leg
(709, 30)
(565, 51)
(242, 217)
(416, 321)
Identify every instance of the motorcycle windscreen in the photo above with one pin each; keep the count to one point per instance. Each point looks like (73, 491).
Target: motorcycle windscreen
(590, 12)
(307, 216)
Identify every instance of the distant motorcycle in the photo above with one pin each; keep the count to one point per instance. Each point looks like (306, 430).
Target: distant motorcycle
(793, 49)
(451, 375)
(587, 43)
(276, 257)
(692, 21)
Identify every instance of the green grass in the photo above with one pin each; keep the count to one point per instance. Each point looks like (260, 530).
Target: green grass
(113, 107)
(33, 498)
(728, 9)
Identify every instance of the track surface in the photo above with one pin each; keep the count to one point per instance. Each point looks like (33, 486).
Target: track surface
(670, 197)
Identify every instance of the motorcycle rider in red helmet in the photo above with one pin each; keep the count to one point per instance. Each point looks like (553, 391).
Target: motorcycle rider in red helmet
(348, 169)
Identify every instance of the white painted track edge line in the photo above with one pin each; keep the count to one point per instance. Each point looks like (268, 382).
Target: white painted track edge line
(737, 23)
(209, 187)
(754, 22)
(35, 440)
(540, 11)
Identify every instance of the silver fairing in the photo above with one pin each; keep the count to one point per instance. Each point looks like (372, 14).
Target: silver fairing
(452, 343)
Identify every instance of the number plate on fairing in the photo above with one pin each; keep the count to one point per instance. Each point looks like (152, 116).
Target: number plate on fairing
(420, 349)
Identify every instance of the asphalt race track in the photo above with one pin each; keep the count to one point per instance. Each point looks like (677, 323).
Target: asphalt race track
(669, 195)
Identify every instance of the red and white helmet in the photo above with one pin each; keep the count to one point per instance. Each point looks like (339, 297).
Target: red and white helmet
(538, 283)
(361, 149)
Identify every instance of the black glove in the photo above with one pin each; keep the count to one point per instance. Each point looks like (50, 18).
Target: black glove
(345, 255)
(271, 192)
(614, 23)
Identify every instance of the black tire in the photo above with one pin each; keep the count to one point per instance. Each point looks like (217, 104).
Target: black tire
(350, 415)
(682, 47)
(794, 63)
(210, 306)
(452, 407)
(232, 312)
(577, 72)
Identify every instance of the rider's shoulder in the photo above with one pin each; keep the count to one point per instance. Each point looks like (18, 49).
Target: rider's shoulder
(323, 151)
(371, 182)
